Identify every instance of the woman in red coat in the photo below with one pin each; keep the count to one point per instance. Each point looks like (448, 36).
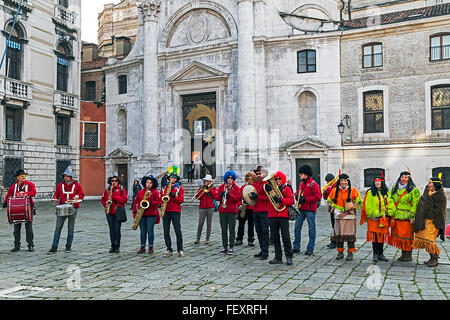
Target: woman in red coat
(150, 217)
(117, 194)
(279, 220)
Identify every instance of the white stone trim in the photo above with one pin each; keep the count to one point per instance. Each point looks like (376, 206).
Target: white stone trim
(428, 86)
(98, 130)
(360, 113)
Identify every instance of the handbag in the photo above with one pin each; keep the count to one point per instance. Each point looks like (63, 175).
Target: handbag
(293, 213)
(349, 206)
(121, 214)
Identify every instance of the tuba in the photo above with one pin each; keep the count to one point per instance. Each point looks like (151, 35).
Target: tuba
(165, 199)
(143, 205)
(274, 192)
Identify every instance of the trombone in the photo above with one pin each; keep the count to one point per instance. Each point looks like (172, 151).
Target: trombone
(331, 182)
(205, 189)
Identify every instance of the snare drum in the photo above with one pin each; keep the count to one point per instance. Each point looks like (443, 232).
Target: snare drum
(64, 210)
(19, 210)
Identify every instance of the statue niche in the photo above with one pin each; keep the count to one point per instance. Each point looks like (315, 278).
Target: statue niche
(198, 27)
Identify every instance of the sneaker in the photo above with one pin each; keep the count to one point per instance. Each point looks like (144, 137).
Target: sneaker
(258, 255)
(349, 256)
(68, 249)
(181, 253)
(340, 256)
(207, 242)
(15, 249)
(308, 253)
(263, 257)
(169, 253)
(52, 250)
(196, 241)
(238, 242)
(289, 261)
(275, 261)
(295, 250)
(331, 245)
(31, 249)
(141, 250)
(150, 250)
(230, 252)
(251, 244)
(224, 251)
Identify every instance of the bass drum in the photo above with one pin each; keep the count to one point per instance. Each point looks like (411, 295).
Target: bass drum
(19, 210)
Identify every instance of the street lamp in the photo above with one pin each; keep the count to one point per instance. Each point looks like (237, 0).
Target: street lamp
(341, 126)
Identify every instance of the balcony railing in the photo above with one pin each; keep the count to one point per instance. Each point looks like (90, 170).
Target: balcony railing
(66, 101)
(26, 4)
(66, 17)
(16, 89)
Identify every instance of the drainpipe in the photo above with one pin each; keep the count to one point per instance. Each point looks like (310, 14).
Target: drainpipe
(340, 11)
(349, 10)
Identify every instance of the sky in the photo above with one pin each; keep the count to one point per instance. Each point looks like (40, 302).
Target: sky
(89, 12)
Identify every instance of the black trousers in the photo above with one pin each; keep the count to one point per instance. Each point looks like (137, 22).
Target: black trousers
(277, 225)
(250, 226)
(332, 226)
(262, 231)
(28, 234)
(114, 230)
(175, 218)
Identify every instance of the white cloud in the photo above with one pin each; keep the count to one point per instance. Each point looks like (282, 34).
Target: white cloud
(89, 14)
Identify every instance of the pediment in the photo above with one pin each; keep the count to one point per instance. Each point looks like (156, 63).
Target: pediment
(120, 153)
(306, 145)
(196, 71)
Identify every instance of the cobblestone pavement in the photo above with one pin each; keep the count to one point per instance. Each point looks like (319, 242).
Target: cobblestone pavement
(90, 272)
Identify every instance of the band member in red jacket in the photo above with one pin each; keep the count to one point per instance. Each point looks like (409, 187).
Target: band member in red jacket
(260, 214)
(21, 188)
(229, 195)
(151, 216)
(250, 178)
(70, 189)
(206, 208)
(173, 211)
(118, 195)
(279, 220)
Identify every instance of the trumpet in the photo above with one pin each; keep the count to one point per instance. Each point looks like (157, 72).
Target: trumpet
(274, 192)
(205, 189)
(331, 182)
(224, 198)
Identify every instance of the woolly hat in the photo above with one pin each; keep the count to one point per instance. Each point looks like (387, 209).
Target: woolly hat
(306, 169)
(154, 181)
(281, 175)
(228, 174)
(329, 177)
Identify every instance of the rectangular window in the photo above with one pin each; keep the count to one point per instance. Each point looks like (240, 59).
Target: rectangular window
(440, 47)
(306, 61)
(91, 91)
(370, 175)
(373, 112)
(62, 130)
(62, 74)
(64, 3)
(13, 59)
(13, 125)
(372, 55)
(61, 166)
(440, 107)
(91, 135)
(123, 84)
(10, 167)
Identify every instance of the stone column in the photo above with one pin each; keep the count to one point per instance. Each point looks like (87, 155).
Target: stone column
(247, 139)
(150, 13)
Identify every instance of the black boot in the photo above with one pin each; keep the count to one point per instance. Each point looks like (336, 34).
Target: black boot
(289, 261)
(408, 256)
(113, 248)
(434, 260)
(375, 251)
(402, 257)
(15, 249)
(380, 253)
(429, 260)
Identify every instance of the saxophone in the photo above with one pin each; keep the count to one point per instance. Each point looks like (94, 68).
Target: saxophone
(109, 202)
(165, 199)
(143, 205)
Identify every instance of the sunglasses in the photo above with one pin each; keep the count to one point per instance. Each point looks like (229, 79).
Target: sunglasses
(115, 180)
(276, 179)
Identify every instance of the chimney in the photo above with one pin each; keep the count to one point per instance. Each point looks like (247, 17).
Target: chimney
(122, 46)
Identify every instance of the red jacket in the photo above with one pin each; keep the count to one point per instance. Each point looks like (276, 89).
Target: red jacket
(262, 205)
(72, 189)
(311, 195)
(174, 203)
(327, 191)
(119, 198)
(233, 199)
(154, 201)
(287, 200)
(205, 199)
(248, 207)
(28, 188)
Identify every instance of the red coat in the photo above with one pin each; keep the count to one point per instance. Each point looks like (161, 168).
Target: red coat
(205, 200)
(311, 195)
(327, 191)
(248, 207)
(287, 200)
(262, 205)
(174, 203)
(28, 188)
(119, 198)
(233, 200)
(72, 189)
(154, 201)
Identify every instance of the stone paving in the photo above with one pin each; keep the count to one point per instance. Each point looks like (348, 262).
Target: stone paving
(90, 272)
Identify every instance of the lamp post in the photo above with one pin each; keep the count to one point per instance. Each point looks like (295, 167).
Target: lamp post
(341, 128)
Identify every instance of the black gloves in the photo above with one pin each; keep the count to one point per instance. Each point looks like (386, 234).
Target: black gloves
(277, 199)
(253, 195)
(172, 195)
(5, 204)
(268, 187)
(221, 194)
(301, 200)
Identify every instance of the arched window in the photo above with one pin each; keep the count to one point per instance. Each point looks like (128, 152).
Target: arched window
(62, 77)
(122, 126)
(308, 113)
(370, 174)
(14, 53)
